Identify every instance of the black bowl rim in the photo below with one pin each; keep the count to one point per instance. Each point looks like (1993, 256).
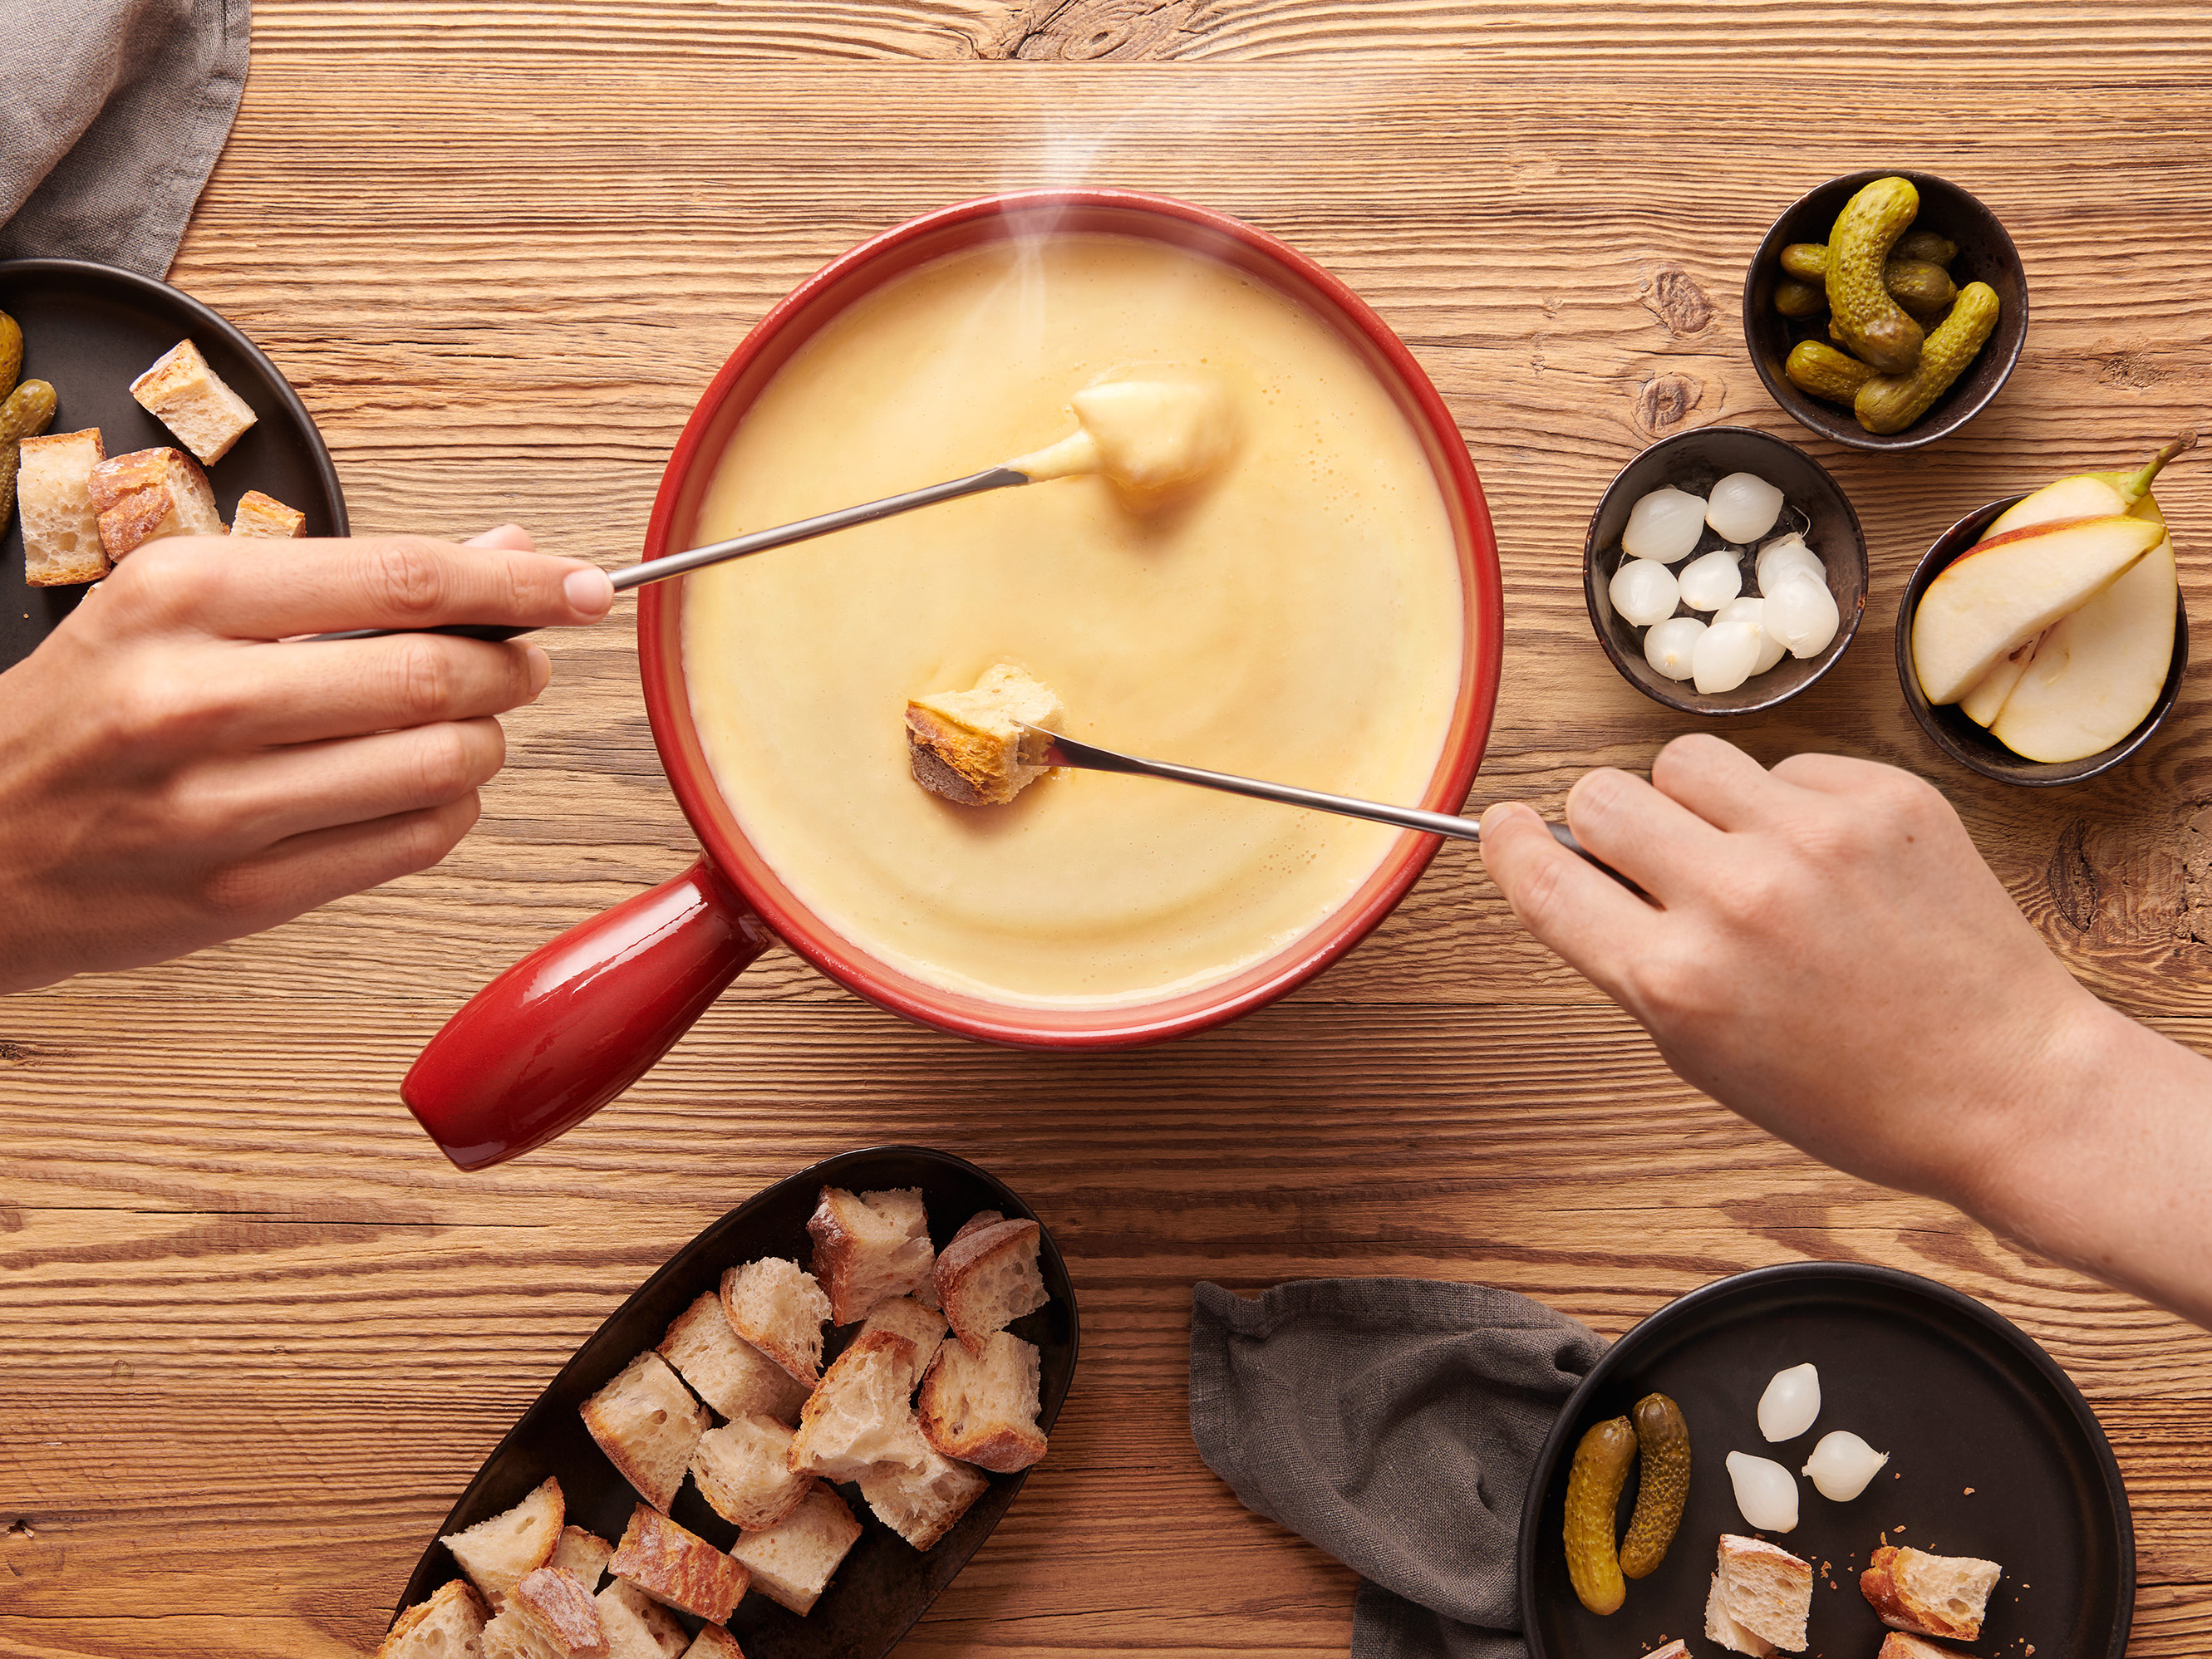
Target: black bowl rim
(1844, 429)
(1845, 633)
(1625, 1351)
(2049, 774)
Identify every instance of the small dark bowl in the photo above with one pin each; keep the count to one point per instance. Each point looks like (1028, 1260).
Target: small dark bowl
(1985, 255)
(1967, 743)
(1695, 461)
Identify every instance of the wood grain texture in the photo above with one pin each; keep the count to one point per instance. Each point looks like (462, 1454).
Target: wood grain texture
(255, 1334)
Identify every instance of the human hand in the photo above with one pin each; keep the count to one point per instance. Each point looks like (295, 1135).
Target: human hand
(172, 776)
(1825, 952)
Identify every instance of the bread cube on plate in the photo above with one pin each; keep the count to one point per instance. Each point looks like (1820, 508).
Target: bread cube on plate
(777, 1306)
(646, 1423)
(637, 1626)
(919, 1496)
(449, 1625)
(742, 1469)
(989, 1278)
(61, 526)
(676, 1567)
(870, 1247)
(714, 1642)
(1929, 1594)
(1676, 1649)
(149, 494)
(726, 1371)
(982, 1408)
(792, 1561)
(583, 1553)
(190, 398)
(266, 518)
(975, 747)
(497, 1553)
(1901, 1644)
(903, 1315)
(549, 1616)
(1760, 1596)
(855, 1418)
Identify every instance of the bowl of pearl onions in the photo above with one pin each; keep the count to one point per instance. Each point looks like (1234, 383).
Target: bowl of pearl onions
(1724, 571)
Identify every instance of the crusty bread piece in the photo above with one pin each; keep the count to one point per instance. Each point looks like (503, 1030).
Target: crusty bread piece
(919, 1499)
(976, 1224)
(714, 1642)
(742, 1469)
(267, 518)
(149, 494)
(448, 1625)
(853, 1420)
(190, 398)
(1929, 1594)
(61, 530)
(1903, 1644)
(1677, 1649)
(1720, 1628)
(982, 1408)
(1765, 1590)
(560, 1614)
(903, 1315)
(988, 1278)
(676, 1567)
(793, 1560)
(637, 1626)
(972, 748)
(869, 1247)
(498, 1552)
(726, 1371)
(646, 1422)
(777, 1306)
(583, 1553)
(510, 1637)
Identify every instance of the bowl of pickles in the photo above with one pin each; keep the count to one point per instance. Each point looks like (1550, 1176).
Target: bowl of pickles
(1885, 310)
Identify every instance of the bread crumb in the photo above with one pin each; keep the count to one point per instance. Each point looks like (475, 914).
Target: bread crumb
(1970, 1492)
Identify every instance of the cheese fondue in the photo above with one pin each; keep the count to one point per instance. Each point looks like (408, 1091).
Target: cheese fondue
(1294, 613)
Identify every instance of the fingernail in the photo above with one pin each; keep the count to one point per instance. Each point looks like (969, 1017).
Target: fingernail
(541, 668)
(590, 590)
(1496, 817)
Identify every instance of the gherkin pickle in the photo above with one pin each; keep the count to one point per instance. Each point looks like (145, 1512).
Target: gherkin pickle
(1891, 403)
(27, 412)
(1926, 245)
(1663, 1438)
(11, 351)
(1594, 1486)
(1794, 299)
(1826, 371)
(1874, 325)
(1921, 286)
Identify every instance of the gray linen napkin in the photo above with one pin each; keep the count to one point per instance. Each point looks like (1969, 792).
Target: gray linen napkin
(112, 115)
(1393, 1422)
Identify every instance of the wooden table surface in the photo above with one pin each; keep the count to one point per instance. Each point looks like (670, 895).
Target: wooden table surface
(255, 1334)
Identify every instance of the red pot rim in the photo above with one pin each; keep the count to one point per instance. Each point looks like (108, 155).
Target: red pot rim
(793, 322)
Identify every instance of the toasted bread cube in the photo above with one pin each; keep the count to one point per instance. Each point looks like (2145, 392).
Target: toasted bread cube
(743, 1470)
(982, 1408)
(449, 1625)
(646, 1423)
(988, 1278)
(61, 527)
(1677, 1649)
(714, 1642)
(1929, 1595)
(266, 518)
(559, 1614)
(903, 1315)
(974, 747)
(583, 1553)
(1902, 1644)
(1764, 1591)
(922, 1499)
(149, 494)
(870, 1247)
(676, 1567)
(777, 1306)
(792, 1561)
(1722, 1629)
(726, 1371)
(854, 1419)
(637, 1626)
(497, 1553)
(190, 398)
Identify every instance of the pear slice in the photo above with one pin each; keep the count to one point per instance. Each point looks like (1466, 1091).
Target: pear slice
(2005, 590)
(2088, 495)
(2098, 671)
(1982, 704)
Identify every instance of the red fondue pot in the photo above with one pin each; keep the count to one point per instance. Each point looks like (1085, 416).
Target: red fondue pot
(574, 1024)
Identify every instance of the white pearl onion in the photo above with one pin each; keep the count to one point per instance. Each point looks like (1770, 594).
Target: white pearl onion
(1669, 645)
(1764, 1491)
(1665, 525)
(1643, 591)
(1722, 659)
(1803, 614)
(1743, 507)
(1842, 1464)
(1711, 579)
(1791, 1404)
(1783, 555)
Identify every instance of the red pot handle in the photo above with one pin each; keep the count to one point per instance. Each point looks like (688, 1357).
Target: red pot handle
(578, 1020)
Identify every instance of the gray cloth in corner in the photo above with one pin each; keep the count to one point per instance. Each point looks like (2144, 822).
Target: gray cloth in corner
(1392, 1422)
(113, 114)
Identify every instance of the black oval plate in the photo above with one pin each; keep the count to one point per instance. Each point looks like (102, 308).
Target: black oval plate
(91, 330)
(883, 1584)
(1958, 1396)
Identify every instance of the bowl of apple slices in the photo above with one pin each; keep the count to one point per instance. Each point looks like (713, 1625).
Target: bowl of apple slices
(2043, 638)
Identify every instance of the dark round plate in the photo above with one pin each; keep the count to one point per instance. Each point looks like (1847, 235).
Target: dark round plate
(883, 1584)
(1958, 1396)
(91, 330)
